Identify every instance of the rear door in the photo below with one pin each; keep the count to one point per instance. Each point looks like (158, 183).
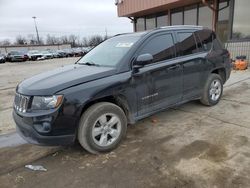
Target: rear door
(162, 78)
(193, 61)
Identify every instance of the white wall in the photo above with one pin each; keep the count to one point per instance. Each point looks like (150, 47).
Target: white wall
(6, 49)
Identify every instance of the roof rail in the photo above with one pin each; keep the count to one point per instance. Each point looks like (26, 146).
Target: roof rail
(182, 26)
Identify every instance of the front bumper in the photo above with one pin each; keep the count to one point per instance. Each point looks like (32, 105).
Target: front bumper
(28, 132)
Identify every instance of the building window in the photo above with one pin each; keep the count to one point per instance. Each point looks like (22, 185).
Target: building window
(162, 20)
(161, 47)
(241, 26)
(223, 10)
(140, 24)
(205, 16)
(190, 15)
(150, 22)
(177, 17)
(223, 21)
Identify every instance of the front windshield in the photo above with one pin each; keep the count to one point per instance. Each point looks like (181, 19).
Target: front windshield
(110, 52)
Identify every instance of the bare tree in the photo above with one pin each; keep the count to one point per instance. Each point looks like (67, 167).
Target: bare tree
(85, 42)
(72, 40)
(31, 39)
(52, 40)
(78, 41)
(64, 39)
(41, 40)
(21, 40)
(95, 40)
(5, 42)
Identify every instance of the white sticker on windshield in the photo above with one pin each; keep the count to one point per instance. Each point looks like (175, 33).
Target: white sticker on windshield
(124, 45)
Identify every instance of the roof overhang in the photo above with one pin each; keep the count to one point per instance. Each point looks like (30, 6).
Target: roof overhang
(137, 8)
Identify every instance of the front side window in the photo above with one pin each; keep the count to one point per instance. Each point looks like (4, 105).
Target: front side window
(110, 52)
(161, 47)
(187, 43)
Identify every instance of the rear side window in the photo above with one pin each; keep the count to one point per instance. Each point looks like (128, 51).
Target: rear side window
(161, 47)
(187, 43)
(206, 38)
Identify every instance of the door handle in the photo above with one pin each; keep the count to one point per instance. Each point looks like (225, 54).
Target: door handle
(174, 67)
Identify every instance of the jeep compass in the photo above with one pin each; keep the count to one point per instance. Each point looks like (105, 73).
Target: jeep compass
(124, 79)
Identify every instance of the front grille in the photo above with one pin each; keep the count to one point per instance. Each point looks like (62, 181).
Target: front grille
(21, 103)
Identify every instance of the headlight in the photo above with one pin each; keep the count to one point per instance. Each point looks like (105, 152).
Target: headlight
(46, 103)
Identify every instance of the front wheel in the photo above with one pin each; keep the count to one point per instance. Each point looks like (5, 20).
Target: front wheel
(213, 90)
(102, 127)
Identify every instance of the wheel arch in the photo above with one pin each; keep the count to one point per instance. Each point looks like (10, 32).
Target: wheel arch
(221, 72)
(118, 100)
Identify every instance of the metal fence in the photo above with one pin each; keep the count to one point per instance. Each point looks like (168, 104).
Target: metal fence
(239, 49)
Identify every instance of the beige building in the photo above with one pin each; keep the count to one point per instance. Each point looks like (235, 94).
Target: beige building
(229, 18)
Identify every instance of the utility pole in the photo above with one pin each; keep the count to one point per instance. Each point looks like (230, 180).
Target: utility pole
(106, 33)
(37, 35)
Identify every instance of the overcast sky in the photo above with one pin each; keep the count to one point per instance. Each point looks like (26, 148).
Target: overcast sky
(60, 17)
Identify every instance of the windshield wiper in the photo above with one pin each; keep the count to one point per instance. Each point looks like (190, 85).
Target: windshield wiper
(89, 64)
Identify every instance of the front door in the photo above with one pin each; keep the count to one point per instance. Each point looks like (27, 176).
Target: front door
(162, 79)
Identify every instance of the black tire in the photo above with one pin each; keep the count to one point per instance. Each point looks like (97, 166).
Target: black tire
(206, 98)
(89, 121)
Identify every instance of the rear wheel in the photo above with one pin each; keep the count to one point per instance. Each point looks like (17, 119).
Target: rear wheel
(102, 127)
(213, 90)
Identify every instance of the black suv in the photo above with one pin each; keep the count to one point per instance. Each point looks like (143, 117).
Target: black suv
(122, 80)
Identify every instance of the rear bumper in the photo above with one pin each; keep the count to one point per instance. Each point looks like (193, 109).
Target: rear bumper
(32, 136)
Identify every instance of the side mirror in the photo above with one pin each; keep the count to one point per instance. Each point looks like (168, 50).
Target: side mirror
(143, 60)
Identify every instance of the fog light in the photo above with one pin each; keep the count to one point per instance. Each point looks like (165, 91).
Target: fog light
(44, 127)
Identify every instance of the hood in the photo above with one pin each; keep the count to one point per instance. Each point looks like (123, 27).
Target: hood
(51, 82)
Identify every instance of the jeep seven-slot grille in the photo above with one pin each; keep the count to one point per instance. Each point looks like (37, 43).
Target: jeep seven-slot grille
(21, 103)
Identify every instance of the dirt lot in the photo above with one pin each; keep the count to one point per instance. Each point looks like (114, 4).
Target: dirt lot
(188, 146)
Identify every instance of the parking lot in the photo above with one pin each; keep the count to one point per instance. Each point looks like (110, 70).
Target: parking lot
(188, 146)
